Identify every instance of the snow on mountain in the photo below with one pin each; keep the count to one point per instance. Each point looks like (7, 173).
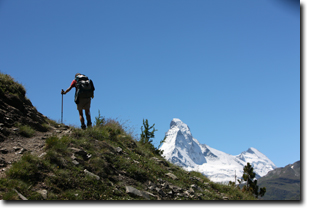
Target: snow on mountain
(182, 149)
(261, 164)
(181, 146)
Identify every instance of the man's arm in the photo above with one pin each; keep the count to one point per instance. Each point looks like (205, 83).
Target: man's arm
(73, 83)
(64, 92)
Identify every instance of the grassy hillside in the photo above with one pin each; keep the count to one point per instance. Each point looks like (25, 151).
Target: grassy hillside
(9, 85)
(101, 163)
(16, 110)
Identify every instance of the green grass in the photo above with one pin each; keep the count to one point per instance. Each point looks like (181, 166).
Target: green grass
(67, 181)
(9, 85)
(28, 169)
(25, 130)
(52, 123)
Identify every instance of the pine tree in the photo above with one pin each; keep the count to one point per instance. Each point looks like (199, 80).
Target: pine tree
(248, 175)
(146, 134)
(251, 184)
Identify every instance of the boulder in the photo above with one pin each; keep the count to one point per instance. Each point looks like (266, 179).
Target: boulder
(134, 191)
(91, 174)
(172, 176)
(119, 150)
(43, 193)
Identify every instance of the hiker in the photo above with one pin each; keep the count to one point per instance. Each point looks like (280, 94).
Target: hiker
(84, 91)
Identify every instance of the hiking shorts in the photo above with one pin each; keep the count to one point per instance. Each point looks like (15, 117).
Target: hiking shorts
(84, 103)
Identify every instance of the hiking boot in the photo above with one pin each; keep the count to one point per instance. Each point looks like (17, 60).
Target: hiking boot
(83, 126)
(89, 124)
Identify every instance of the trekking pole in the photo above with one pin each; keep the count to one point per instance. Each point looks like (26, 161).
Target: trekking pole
(62, 107)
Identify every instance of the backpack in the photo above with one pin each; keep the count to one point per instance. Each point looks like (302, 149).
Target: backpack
(84, 87)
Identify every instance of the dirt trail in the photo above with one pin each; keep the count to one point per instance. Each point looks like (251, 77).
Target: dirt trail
(16, 110)
(15, 145)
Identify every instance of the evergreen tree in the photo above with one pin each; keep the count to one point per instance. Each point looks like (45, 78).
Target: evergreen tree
(251, 184)
(146, 134)
(248, 176)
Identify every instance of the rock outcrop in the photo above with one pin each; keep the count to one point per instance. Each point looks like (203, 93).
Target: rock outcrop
(16, 108)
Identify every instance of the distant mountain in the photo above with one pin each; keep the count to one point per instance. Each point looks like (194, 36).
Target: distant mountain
(282, 183)
(182, 149)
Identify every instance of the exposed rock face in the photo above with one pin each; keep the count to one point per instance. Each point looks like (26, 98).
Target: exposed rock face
(15, 111)
(18, 109)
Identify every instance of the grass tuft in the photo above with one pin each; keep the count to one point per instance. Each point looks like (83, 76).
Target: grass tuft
(26, 130)
(9, 86)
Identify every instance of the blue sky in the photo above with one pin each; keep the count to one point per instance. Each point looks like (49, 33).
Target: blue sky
(228, 69)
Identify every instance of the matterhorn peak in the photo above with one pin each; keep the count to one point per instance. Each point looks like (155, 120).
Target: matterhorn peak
(177, 125)
(175, 122)
(182, 149)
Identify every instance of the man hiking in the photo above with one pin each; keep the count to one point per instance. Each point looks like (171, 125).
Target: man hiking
(84, 91)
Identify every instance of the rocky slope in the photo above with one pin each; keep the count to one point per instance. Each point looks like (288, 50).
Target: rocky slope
(65, 167)
(282, 183)
(43, 160)
(15, 111)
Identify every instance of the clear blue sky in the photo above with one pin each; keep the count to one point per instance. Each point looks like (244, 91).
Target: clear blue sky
(228, 69)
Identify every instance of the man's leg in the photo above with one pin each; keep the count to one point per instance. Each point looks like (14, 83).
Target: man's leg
(82, 119)
(87, 113)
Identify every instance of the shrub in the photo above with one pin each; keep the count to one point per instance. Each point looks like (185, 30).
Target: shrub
(27, 169)
(58, 145)
(100, 120)
(26, 131)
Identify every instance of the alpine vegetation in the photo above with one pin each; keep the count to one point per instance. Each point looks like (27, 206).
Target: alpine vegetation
(41, 159)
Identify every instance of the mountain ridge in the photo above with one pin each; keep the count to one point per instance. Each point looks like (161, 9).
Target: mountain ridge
(282, 183)
(181, 148)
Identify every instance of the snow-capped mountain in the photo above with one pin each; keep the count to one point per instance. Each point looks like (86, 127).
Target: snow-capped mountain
(182, 149)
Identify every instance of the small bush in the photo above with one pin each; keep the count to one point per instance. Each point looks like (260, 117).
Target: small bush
(27, 169)
(26, 131)
(51, 142)
(59, 145)
(46, 126)
(100, 120)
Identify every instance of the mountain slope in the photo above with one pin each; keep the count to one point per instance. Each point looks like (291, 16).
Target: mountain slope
(282, 183)
(100, 163)
(181, 148)
(16, 109)
(105, 163)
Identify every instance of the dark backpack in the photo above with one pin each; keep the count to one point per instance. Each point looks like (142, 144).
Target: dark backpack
(84, 87)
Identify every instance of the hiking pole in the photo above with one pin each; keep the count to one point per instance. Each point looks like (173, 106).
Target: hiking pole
(62, 105)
